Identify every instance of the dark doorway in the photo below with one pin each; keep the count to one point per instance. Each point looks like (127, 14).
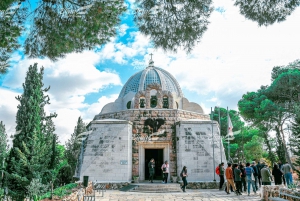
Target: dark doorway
(157, 155)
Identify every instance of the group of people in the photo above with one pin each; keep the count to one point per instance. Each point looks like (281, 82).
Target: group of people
(165, 170)
(240, 178)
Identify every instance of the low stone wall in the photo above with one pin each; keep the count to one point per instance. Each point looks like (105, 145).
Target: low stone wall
(273, 191)
(203, 185)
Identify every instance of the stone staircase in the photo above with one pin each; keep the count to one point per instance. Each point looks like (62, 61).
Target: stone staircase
(157, 188)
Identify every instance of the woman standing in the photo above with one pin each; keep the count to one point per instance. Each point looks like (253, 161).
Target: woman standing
(184, 174)
(276, 172)
(165, 169)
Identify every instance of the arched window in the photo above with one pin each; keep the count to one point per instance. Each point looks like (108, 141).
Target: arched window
(153, 101)
(128, 105)
(165, 102)
(142, 102)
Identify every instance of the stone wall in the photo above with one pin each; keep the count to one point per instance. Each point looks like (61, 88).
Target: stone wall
(108, 151)
(138, 117)
(197, 150)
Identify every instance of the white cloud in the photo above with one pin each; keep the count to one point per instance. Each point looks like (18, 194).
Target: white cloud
(8, 109)
(96, 108)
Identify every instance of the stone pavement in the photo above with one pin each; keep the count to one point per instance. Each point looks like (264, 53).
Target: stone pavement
(197, 195)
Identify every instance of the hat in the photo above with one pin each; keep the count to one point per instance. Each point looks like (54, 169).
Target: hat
(253, 162)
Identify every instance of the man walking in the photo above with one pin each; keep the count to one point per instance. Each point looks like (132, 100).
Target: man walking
(221, 175)
(255, 174)
(287, 171)
(151, 166)
(265, 175)
(229, 177)
(237, 179)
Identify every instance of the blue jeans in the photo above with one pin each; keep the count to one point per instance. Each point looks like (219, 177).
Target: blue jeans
(250, 182)
(288, 178)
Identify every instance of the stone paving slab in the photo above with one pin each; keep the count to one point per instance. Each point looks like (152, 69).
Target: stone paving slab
(190, 195)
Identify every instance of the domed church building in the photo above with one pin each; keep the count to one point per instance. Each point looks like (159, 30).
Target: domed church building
(151, 119)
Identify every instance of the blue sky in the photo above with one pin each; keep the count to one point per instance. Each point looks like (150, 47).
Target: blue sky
(234, 56)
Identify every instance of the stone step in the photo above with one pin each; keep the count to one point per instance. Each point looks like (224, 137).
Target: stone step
(157, 188)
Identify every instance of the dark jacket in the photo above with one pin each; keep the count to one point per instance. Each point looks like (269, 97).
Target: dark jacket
(277, 175)
(151, 167)
(255, 170)
(237, 174)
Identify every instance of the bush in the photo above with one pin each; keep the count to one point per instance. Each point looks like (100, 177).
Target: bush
(60, 192)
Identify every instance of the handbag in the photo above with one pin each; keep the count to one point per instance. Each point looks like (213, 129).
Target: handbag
(252, 177)
(164, 169)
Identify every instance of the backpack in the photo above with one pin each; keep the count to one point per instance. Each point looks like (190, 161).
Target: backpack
(181, 174)
(218, 170)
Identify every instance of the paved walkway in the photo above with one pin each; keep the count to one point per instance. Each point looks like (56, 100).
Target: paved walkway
(199, 195)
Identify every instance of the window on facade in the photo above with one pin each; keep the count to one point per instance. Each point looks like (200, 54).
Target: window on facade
(128, 105)
(142, 102)
(165, 102)
(153, 101)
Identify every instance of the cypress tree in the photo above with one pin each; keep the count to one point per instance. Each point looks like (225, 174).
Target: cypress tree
(30, 156)
(73, 145)
(3, 148)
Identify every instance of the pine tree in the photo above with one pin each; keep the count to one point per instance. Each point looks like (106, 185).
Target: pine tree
(295, 141)
(31, 154)
(3, 148)
(73, 145)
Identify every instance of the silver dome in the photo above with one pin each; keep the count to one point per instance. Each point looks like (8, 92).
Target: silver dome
(140, 80)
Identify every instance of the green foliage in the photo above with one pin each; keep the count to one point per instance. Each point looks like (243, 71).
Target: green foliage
(171, 24)
(31, 154)
(253, 149)
(60, 192)
(73, 146)
(3, 145)
(234, 116)
(36, 188)
(267, 12)
(295, 141)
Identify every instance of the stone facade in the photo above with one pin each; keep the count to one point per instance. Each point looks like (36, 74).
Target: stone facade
(199, 148)
(140, 138)
(108, 151)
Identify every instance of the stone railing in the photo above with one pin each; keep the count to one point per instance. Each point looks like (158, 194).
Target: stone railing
(273, 191)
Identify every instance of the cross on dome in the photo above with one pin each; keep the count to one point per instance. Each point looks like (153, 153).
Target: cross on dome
(151, 62)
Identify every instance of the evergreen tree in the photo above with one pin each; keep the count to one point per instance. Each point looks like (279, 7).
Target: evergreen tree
(295, 141)
(3, 148)
(73, 145)
(31, 154)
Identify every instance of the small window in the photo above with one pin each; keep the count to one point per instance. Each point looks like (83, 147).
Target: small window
(142, 103)
(128, 105)
(153, 101)
(165, 102)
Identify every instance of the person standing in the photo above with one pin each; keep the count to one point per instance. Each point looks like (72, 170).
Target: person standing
(221, 175)
(151, 166)
(258, 166)
(255, 174)
(276, 172)
(249, 171)
(280, 165)
(265, 175)
(287, 171)
(229, 177)
(237, 178)
(165, 169)
(243, 176)
(184, 175)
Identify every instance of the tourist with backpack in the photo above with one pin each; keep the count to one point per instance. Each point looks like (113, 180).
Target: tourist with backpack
(184, 175)
(220, 171)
